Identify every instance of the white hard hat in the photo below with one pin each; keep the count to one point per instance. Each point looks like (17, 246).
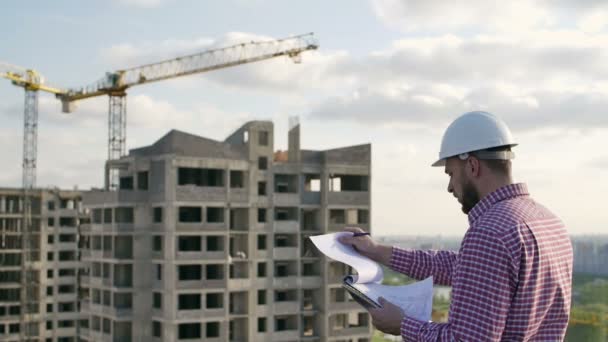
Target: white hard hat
(475, 131)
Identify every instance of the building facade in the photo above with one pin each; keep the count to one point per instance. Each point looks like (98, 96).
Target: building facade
(52, 314)
(208, 241)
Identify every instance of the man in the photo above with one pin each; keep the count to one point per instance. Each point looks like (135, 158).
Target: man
(511, 279)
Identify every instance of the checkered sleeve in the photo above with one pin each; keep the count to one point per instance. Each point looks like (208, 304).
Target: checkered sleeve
(481, 295)
(422, 264)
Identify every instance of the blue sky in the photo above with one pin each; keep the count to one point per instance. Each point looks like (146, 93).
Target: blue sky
(393, 73)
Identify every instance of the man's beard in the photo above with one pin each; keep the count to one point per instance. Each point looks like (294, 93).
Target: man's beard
(470, 197)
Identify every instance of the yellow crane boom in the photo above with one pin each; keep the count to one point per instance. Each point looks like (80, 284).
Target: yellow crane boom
(214, 59)
(114, 84)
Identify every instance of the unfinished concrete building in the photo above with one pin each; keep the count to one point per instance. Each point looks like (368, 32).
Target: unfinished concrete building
(208, 241)
(53, 314)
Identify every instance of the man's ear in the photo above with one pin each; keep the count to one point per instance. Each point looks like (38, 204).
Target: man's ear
(473, 166)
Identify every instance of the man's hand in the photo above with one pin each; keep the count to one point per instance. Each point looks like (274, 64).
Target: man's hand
(387, 318)
(367, 247)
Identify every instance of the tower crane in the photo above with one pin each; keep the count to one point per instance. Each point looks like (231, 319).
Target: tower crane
(114, 84)
(31, 82)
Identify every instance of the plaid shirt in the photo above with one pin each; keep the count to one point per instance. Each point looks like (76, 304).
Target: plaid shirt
(511, 279)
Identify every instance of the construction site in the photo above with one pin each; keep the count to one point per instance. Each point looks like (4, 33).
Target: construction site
(189, 238)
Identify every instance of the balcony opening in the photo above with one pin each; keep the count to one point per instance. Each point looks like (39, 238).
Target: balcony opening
(285, 183)
(123, 300)
(261, 215)
(107, 215)
(261, 188)
(215, 214)
(310, 220)
(337, 216)
(338, 183)
(310, 299)
(123, 247)
(338, 295)
(312, 183)
(66, 238)
(284, 323)
(123, 275)
(311, 269)
(239, 270)
(67, 256)
(157, 243)
(215, 243)
(263, 138)
(308, 326)
(124, 215)
(67, 221)
(189, 331)
(286, 214)
(189, 243)
(97, 215)
(212, 329)
(214, 272)
(214, 300)
(262, 324)
(157, 300)
(263, 163)
(159, 271)
(142, 180)
(261, 270)
(237, 179)
(285, 295)
(239, 246)
(189, 301)
(261, 297)
(285, 269)
(200, 177)
(190, 214)
(157, 329)
(189, 272)
(362, 216)
(238, 303)
(126, 183)
(262, 242)
(239, 219)
(158, 215)
(285, 240)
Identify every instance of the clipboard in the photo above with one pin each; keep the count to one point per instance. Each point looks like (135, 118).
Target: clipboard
(359, 296)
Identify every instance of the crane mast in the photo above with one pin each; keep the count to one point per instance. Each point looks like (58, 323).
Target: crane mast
(114, 84)
(31, 82)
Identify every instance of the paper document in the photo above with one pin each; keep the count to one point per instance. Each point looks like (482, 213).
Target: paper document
(416, 300)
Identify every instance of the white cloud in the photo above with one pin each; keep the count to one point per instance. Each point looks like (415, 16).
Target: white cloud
(593, 21)
(552, 79)
(438, 15)
(515, 16)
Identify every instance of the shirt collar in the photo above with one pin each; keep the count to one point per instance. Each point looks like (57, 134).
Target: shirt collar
(500, 194)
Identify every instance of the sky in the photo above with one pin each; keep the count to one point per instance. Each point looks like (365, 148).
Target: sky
(393, 73)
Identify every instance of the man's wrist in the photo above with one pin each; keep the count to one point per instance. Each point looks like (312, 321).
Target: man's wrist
(382, 254)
